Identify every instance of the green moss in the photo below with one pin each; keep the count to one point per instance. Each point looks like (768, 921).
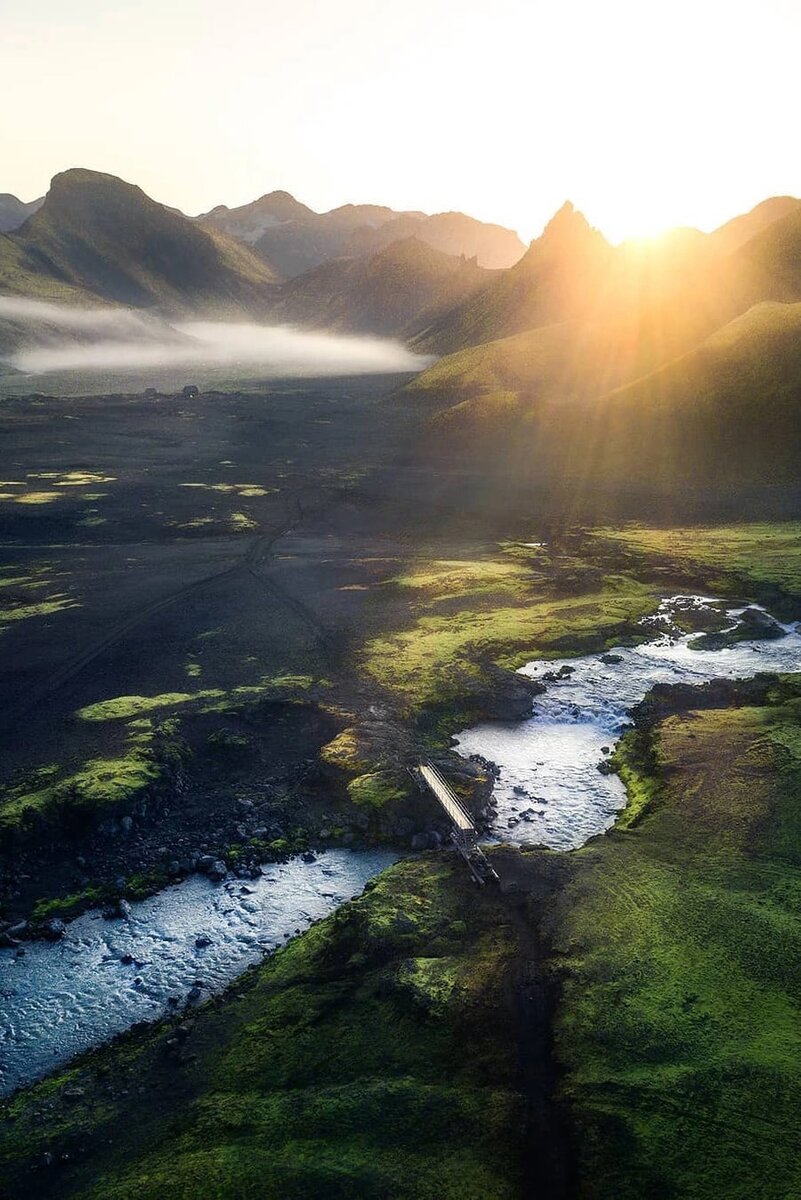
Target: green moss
(428, 664)
(66, 907)
(680, 950)
(635, 761)
(337, 1069)
(346, 752)
(151, 754)
(758, 553)
(121, 708)
(42, 608)
(374, 790)
(242, 523)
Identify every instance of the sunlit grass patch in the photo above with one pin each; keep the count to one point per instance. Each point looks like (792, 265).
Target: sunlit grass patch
(447, 579)
(346, 752)
(237, 489)
(98, 782)
(83, 479)
(765, 552)
(424, 663)
(122, 708)
(680, 954)
(374, 790)
(42, 608)
(31, 497)
(242, 523)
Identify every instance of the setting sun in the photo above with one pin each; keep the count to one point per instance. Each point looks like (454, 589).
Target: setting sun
(645, 117)
(400, 600)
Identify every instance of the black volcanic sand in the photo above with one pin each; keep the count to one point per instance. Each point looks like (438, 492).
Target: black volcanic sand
(160, 586)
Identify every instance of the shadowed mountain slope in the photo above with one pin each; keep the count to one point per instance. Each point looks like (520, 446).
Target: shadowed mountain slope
(395, 291)
(97, 235)
(300, 244)
(492, 246)
(14, 212)
(741, 229)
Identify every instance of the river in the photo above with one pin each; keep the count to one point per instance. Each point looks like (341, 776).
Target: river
(550, 791)
(58, 999)
(61, 998)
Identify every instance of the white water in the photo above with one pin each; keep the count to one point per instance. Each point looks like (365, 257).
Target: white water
(550, 791)
(62, 998)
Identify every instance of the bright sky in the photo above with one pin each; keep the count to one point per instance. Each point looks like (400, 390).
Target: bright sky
(645, 113)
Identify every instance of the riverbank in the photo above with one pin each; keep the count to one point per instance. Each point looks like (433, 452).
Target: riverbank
(403, 1046)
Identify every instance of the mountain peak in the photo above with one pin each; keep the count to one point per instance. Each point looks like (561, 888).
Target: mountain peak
(567, 221)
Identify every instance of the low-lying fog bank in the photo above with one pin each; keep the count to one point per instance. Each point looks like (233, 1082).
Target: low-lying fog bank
(46, 346)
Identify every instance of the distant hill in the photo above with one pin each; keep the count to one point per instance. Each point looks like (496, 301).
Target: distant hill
(768, 267)
(492, 246)
(250, 221)
(98, 236)
(302, 243)
(14, 212)
(393, 292)
(739, 230)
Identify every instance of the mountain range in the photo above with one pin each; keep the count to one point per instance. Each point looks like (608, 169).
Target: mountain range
(576, 360)
(14, 212)
(294, 239)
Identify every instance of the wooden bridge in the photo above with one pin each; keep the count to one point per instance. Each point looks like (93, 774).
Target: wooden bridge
(463, 834)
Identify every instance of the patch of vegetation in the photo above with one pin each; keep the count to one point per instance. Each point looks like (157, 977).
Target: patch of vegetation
(242, 523)
(121, 708)
(67, 907)
(237, 489)
(346, 752)
(41, 608)
(337, 1069)
(680, 950)
(635, 761)
(151, 756)
(375, 790)
(206, 700)
(756, 553)
(430, 663)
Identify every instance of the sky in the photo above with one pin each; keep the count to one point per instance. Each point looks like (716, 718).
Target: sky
(646, 114)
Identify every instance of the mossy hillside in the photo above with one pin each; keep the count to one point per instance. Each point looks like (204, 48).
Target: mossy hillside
(376, 790)
(679, 948)
(371, 1057)
(204, 700)
(149, 756)
(763, 557)
(502, 610)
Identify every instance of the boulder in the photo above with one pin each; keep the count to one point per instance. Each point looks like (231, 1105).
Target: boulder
(52, 929)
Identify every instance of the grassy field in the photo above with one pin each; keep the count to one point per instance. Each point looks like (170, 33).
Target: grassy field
(367, 1059)
(384, 1052)
(755, 553)
(520, 604)
(680, 951)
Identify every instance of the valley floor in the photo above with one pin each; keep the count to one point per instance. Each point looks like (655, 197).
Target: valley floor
(229, 624)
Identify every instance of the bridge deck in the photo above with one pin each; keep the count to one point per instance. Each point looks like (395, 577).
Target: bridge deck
(446, 798)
